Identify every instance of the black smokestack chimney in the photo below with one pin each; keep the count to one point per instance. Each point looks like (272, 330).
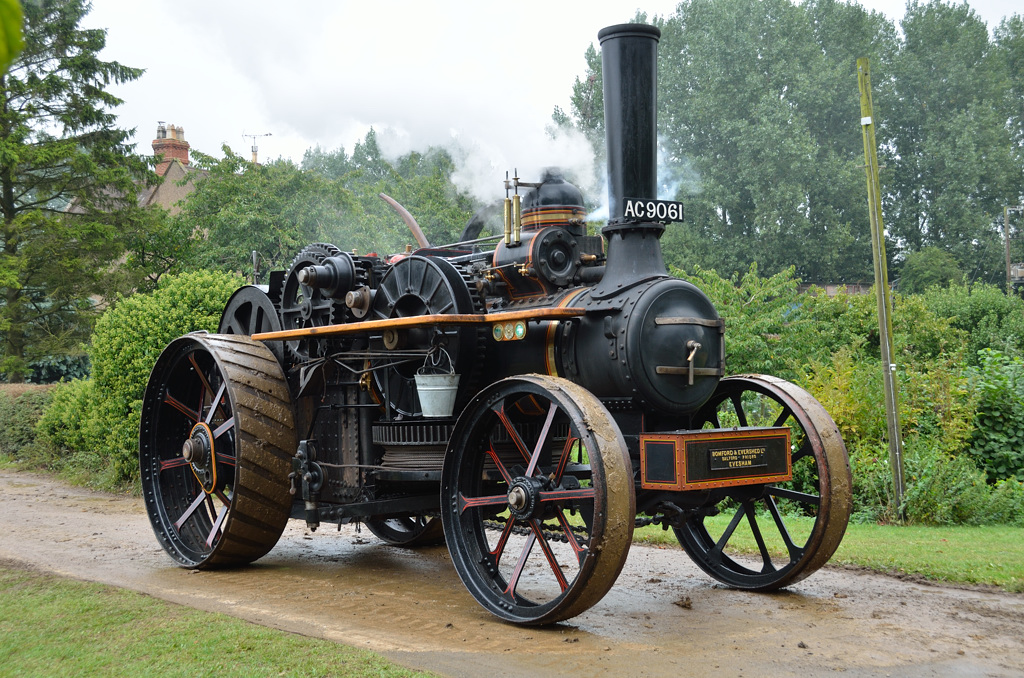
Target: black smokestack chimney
(629, 58)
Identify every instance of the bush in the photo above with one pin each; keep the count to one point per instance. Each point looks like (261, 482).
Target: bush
(53, 369)
(756, 312)
(98, 419)
(20, 413)
(998, 440)
(941, 489)
(989, 317)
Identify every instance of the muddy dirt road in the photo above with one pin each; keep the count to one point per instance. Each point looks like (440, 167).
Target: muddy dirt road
(662, 618)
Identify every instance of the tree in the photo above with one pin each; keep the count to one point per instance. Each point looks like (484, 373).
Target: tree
(927, 268)
(943, 119)
(760, 136)
(68, 183)
(273, 209)
(421, 181)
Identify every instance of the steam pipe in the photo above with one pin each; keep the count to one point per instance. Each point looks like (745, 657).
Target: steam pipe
(629, 58)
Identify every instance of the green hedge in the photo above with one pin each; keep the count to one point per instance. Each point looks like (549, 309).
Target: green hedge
(19, 414)
(98, 418)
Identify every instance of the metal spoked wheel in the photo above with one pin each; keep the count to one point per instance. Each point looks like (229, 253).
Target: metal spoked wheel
(791, 528)
(418, 286)
(537, 499)
(215, 445)
(250, 311)
(409, 531)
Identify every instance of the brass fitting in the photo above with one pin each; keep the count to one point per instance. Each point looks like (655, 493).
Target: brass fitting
(508, 222)
(517, 219)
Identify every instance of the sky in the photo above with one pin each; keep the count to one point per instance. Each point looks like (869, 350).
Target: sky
(322, 72)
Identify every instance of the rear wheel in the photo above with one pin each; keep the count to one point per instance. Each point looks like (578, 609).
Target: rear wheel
(407, 531)
(215, 447)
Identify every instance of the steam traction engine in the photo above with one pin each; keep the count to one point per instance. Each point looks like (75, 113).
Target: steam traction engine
(528, 405)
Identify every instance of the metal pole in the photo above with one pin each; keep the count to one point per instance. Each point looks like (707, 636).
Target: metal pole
(892, 415)
(1006, 240)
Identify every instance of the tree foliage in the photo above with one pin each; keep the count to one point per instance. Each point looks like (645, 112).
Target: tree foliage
(68, 183)
(759, 116)
(273, 209)
(420, 181)
(10, 32)
(277, 208)
(927, 268)
(945, 142)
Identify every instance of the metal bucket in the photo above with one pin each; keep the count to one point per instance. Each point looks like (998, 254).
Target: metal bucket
(437, 384)
(437, 393)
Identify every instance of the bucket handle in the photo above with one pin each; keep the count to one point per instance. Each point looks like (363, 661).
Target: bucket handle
(434, 362)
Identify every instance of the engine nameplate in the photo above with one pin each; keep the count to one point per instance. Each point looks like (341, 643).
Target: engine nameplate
(697, 460)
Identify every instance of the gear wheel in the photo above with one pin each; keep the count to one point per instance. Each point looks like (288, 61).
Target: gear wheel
(417, 286)
(303, 306)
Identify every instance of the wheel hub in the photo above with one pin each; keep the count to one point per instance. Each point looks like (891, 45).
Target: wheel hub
(524, 497)
(198, 452)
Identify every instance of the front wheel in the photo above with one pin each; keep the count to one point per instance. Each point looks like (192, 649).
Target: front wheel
(537, 499)
(779, 533)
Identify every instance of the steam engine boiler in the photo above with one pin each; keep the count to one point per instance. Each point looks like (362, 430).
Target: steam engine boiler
(528, 405)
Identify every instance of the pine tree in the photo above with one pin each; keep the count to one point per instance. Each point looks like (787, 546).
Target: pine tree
(68, 183)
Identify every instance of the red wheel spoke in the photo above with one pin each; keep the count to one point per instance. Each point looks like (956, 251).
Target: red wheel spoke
(570, 442)
(223, 428)
(202, 378)
(571, 537)
(477, 502)
(535, 457)
(510, 429)
(497, 462)
(225, 459)
(224, 499)
(562, 495)
(181, 407)
(177, 462)
(513, 581)
(215, 404)
(499, 548)
(549, 554)
(216, 526)
(190, 510)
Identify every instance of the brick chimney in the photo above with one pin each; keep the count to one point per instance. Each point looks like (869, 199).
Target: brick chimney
(169, 145)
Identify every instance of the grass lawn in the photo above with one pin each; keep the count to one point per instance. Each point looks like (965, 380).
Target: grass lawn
(972, 555)
(51, 626)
